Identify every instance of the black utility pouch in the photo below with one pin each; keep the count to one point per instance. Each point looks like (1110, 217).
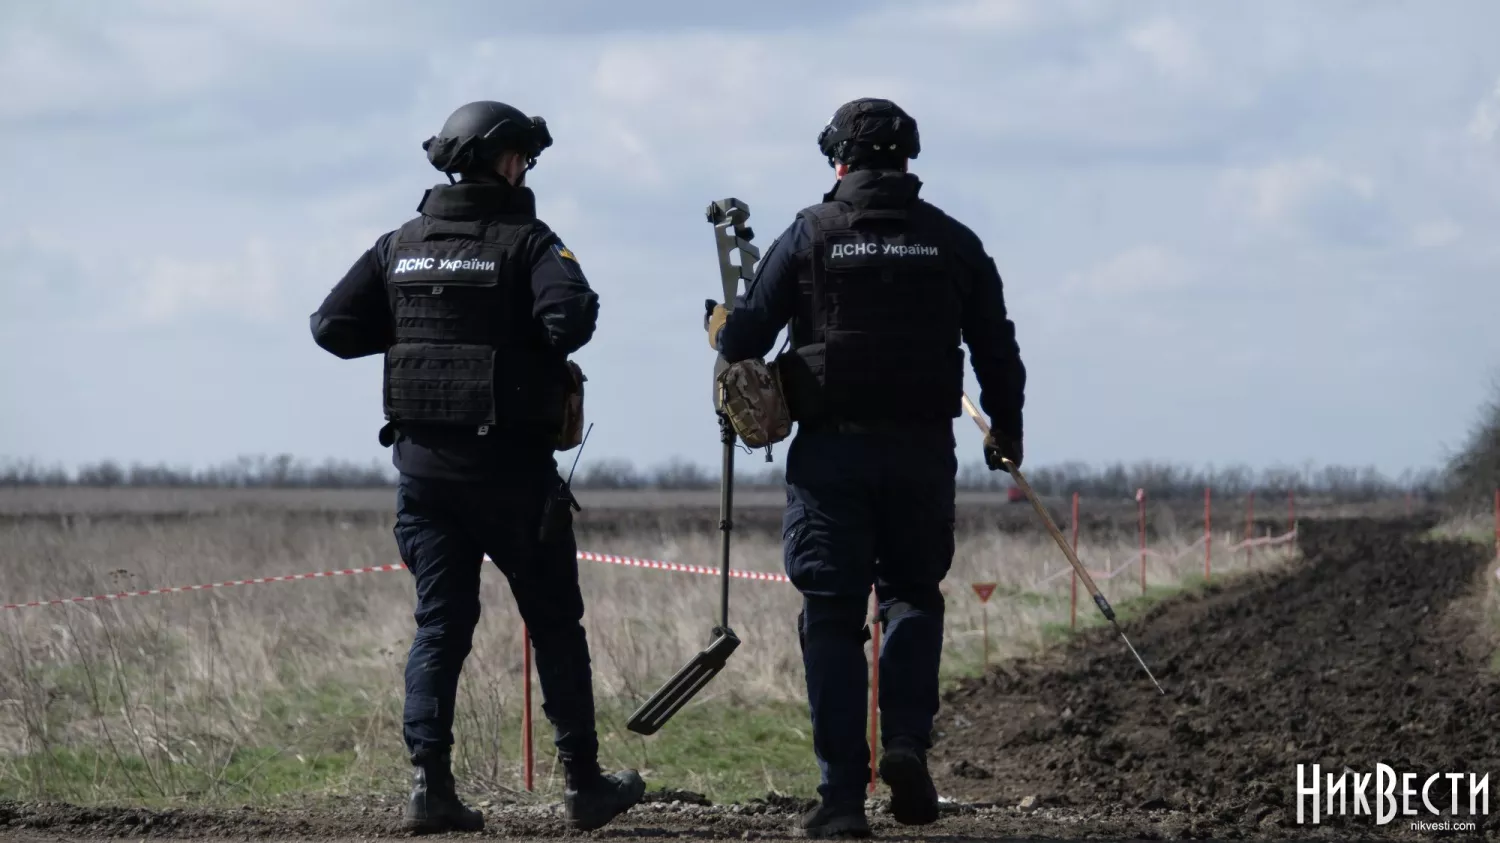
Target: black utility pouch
(556, 511)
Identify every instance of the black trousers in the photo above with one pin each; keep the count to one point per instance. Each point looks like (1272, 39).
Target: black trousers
(443, 529)
(863, 510)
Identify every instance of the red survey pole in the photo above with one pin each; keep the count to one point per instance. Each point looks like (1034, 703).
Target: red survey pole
(983, 590)
(874, 691)
(1291, 510)
(526, 748)
(984, 630)
(1208, 533)
(1140, 506)
(1249, 527)
(1074, 622)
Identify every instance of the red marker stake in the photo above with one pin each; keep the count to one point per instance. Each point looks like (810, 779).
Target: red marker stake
(1140, 505)
(984, 590)
(526, 747)
(1208, 533)
(1073, 623)
(1249, 527)
(984, 630)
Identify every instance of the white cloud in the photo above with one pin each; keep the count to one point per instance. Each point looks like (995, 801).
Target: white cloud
(1436, 234)
(965, 17)
(1276, 191)
(247, 285)
(1142, 269)
(325, 25)
(1171, 46)
(1081, 140)
(1485, 123)
(112, 59)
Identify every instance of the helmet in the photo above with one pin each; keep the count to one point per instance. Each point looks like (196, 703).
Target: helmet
(477, 133)
(869, 131)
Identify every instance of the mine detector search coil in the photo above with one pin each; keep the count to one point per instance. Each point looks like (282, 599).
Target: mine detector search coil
(737, 415)
(1057, 536)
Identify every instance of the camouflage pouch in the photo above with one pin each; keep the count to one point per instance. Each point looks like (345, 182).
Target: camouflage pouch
(749, 393)
(571, 433)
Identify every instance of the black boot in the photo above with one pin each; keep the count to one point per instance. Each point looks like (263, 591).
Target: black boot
(434, 806)
(846, 819)
(592, 799)
(914, 799)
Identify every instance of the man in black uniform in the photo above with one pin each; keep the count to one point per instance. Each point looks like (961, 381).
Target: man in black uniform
(880, 289)
(476, 305)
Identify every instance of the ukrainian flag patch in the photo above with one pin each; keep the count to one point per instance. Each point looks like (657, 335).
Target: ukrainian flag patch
(568, 261)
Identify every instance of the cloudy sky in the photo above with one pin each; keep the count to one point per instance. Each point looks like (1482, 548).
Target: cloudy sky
(1230, 232)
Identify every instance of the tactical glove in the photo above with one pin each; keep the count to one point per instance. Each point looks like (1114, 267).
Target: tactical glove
(714, 317)
(998, 447)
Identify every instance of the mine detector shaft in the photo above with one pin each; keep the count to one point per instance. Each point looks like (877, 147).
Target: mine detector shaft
(1057, 536)
(728, 217)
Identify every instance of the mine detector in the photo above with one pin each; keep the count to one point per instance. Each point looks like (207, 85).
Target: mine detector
(728, 217)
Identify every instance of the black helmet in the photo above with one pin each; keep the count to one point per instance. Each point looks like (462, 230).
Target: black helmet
(476, 134)
(869, 131)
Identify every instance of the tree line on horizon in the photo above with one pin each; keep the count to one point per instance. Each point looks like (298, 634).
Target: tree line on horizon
(1118, 480)
(1470, 476)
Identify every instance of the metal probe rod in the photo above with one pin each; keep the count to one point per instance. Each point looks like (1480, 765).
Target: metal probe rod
(1057, 536)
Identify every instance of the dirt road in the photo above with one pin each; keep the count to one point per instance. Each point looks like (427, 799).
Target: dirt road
(645, 823)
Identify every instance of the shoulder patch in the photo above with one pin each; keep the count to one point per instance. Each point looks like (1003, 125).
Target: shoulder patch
(567, 260)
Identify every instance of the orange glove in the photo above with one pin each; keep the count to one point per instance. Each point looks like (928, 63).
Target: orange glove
(713, 321)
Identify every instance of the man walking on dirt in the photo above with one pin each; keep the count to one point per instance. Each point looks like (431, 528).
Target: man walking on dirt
(880, 289)
(476, 305)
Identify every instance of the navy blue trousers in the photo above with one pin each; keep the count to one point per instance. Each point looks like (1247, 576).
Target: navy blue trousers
(443, 529)
(869, 510)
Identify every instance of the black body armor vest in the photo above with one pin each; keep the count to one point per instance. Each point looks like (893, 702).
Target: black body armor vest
(467, 352)
(879, 335)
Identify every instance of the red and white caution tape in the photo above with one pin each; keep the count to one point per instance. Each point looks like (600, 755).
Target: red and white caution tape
(584, 555)
(1098, 575)
(1171, 557)
(181, 588)
(658, 565)
(587, 556)
(1266, 540)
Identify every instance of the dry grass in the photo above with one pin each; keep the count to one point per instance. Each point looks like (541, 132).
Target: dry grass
(1473, 526)
(1480, 527)
(253, 692)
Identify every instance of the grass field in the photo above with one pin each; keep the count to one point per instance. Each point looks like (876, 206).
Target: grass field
(264, 692)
